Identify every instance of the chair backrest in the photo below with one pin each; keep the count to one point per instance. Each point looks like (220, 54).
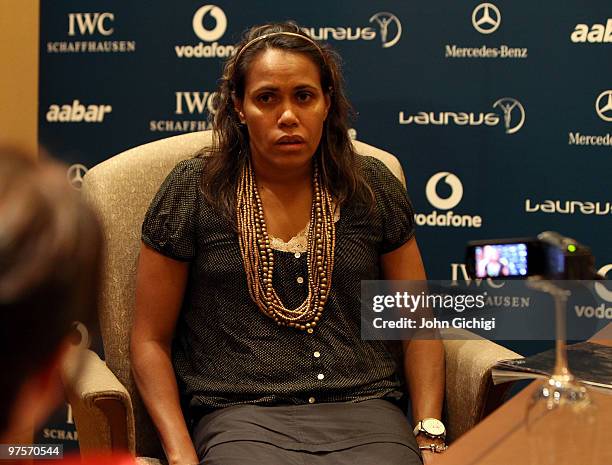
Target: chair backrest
(121, 189)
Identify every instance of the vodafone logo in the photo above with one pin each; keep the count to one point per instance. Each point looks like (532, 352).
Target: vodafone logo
(208, 47)
(603, 291)
(447, 202)
(209, 35)
(456, 191)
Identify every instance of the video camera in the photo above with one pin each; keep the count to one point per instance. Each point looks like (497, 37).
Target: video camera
(549, 255)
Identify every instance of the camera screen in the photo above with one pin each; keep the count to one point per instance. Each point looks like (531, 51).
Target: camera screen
(501, 260)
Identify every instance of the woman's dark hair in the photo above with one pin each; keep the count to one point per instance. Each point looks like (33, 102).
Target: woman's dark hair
(50, 257)
(337, 158)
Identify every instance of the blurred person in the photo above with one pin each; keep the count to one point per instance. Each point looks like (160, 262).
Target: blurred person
(50, 258)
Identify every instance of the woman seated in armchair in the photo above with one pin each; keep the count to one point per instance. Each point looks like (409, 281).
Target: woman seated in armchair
(248, 291)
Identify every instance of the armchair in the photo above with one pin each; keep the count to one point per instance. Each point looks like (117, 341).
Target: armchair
(108, 411)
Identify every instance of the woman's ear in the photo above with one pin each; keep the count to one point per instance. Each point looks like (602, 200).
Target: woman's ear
(238, 108)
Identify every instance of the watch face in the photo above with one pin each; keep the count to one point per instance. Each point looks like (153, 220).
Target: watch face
(433, 427)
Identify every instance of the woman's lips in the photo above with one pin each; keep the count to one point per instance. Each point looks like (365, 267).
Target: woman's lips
(290, 140)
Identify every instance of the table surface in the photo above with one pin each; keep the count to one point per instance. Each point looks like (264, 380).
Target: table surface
(501, 438)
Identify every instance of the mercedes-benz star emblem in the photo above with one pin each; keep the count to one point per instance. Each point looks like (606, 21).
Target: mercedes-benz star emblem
(486, 18)
(603, 105)
(75, 175)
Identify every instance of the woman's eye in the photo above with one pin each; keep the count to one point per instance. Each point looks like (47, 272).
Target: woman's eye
(304, 96)
(265, 98)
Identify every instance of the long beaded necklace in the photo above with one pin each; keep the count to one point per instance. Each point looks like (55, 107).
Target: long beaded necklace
(258, 256)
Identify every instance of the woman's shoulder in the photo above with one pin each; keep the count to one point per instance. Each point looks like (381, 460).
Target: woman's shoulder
(189, 165)
(376, 172)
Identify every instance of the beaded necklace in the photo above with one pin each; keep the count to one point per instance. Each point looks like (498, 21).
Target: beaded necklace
(258, 256)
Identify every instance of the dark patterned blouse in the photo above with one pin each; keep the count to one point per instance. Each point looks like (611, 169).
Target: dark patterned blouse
(226, 352)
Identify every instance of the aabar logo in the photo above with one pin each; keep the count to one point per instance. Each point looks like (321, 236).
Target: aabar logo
(486, 18)
(596, 33)
(77, 113)
(210, 49)
(90, 23)
(445, 202)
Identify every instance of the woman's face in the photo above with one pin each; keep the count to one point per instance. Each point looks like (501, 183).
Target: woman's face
(284, 108)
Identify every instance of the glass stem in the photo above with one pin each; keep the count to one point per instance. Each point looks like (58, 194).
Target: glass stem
(561, 371)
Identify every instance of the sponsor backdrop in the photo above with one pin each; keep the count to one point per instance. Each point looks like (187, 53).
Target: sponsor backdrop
(501, 113)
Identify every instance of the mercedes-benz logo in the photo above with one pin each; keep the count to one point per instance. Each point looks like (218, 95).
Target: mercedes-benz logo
(456, 191)
(603, 105)
(384, 19)
(508, 106)
(75, 175)
(209, 35)
(486, 18)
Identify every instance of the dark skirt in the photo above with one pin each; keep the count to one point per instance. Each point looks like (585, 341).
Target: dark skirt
(363, 433)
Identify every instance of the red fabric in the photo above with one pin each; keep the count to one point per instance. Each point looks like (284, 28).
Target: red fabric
(106, 459)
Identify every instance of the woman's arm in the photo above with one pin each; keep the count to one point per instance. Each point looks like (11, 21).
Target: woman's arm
(160, 286)
(423, 359)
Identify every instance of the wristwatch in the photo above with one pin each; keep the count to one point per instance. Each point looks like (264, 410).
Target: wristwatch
(431, 428)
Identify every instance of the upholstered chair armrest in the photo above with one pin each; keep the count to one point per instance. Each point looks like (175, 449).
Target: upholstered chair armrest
(101, 406)
(470, 394)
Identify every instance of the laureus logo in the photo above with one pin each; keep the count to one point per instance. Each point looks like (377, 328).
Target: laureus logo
(390, 28)
(486, 18)
(448, 219)
(514, 113)
(456, 190)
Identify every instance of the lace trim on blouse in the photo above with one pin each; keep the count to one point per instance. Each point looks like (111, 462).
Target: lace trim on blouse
(299, 242)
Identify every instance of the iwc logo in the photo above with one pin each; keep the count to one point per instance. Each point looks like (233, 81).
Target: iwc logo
(197, 106)
(210, 49)
(486, 18)
(89, 33)
(446, 202)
